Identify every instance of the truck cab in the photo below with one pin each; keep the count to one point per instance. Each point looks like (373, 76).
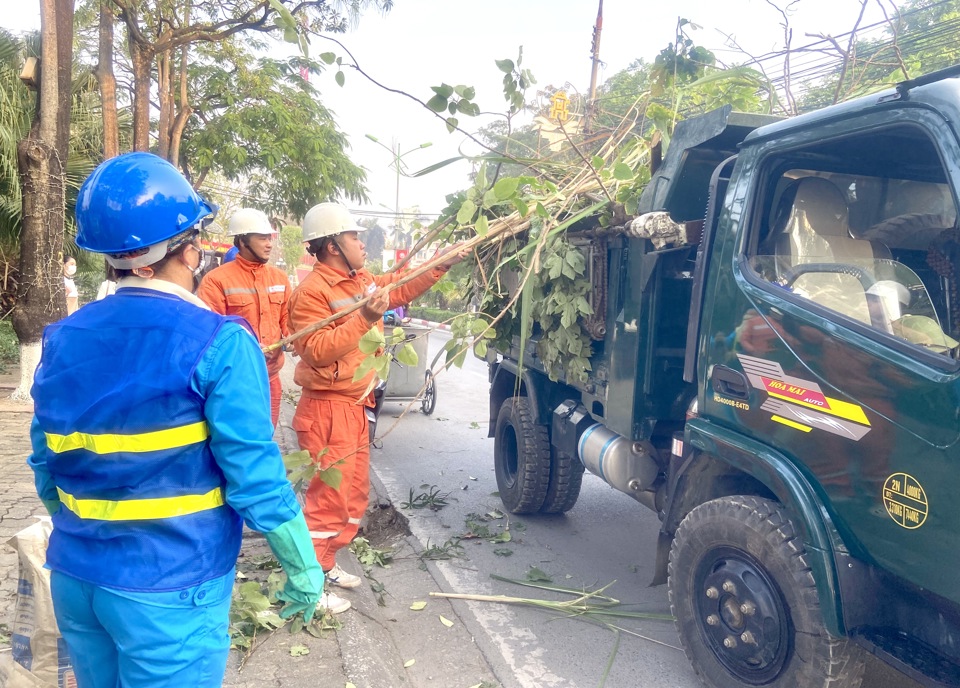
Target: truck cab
(777, 376)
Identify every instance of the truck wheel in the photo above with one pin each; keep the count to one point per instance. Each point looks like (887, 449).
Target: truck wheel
(521, 456)
(746, 604)
(566, 476)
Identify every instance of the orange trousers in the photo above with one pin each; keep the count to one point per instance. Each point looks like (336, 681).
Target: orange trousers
(276, 392)
(333, 515)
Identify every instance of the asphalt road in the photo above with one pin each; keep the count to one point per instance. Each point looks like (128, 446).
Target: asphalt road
(607, 539)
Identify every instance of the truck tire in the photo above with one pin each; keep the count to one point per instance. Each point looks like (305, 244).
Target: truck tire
(566, 476)
(746, 604)
(521, 456)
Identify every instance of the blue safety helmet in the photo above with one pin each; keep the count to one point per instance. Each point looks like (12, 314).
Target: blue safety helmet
(133, 202)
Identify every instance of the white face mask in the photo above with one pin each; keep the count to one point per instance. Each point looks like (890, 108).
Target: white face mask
(70, 270)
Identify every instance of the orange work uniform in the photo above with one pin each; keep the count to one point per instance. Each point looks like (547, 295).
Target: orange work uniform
(258, 293)
(330, 414)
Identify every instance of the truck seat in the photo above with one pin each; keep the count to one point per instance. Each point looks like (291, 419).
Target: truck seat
(814, 229)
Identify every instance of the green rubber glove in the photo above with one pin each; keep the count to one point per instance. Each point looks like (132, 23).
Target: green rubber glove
(52, 505)
(292, 546)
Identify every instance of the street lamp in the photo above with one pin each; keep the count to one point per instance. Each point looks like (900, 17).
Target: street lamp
(397, 165)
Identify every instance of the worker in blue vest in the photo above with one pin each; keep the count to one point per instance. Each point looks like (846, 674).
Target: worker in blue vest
(152, 445)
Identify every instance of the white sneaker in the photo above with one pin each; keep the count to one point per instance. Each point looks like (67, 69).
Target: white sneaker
(337, 576)
(331, 604)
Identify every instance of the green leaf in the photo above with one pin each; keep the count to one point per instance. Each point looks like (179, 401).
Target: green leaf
(452, 123)
(622, 172)
(407, 355)
(481, 226)
(505, 188)
(296, 625)
(597, 161)
(438, 103)
(366, 365)
(468, 108)
(418, 606)
(445, 621)
(331, 476)
(535, 575)
(371, 341)
(443, 90)
(328, 58)
(466, 212)
(340, 78)
(505, 66)
(299, 650)
(521, 206)
(466, 92)
(480, 348)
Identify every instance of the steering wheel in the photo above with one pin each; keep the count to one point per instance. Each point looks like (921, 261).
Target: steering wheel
(874, 306)
(797, 271)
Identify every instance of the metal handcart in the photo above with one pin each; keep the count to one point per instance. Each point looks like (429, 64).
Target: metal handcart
(413, 383)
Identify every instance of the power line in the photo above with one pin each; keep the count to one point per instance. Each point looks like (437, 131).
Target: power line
(814, 63)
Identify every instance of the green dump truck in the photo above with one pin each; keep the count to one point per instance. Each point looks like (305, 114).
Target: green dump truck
(777, 375)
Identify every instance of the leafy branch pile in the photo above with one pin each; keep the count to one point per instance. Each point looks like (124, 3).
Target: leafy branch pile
(531, 275)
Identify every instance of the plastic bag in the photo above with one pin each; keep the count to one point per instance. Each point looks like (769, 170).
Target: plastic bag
(40, 657)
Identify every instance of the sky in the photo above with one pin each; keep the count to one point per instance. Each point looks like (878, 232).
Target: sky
(422, 43)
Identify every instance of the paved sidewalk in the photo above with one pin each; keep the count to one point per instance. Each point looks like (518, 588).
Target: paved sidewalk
(375, 644)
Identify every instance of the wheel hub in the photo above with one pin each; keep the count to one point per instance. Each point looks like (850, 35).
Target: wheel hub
(742, 616)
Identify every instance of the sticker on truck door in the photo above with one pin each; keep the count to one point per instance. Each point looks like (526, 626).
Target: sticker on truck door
(801, 404)
(905, 500)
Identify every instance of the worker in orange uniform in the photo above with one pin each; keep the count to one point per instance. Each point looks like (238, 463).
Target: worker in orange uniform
(254, 290)
(331, 413)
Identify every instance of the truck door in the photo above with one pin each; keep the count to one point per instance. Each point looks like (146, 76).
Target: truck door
(835, 325)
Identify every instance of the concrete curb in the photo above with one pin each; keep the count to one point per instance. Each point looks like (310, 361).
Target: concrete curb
(427, 323)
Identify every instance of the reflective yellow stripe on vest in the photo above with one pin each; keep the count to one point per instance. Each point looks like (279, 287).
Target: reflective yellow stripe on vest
(144, 442)
(141, 509)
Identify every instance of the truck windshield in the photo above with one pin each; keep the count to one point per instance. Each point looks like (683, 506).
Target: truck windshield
(872, 246)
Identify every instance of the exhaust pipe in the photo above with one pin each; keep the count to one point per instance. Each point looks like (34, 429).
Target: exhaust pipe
(627, 466)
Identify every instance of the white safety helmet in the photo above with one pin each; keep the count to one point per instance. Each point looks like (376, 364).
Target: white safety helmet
(249, 221)
(328, 219)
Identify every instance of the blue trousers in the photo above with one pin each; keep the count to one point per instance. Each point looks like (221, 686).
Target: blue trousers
(122, 639)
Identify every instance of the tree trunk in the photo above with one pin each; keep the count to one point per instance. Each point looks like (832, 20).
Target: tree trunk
(41, 159)
(165, 92)
(183, 114)
(108, 82)
(140, 59)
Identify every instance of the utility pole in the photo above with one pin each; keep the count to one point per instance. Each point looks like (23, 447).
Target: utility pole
(591, 102)
(396, 163)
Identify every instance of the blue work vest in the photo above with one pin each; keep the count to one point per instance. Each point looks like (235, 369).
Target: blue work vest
(142, 497)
